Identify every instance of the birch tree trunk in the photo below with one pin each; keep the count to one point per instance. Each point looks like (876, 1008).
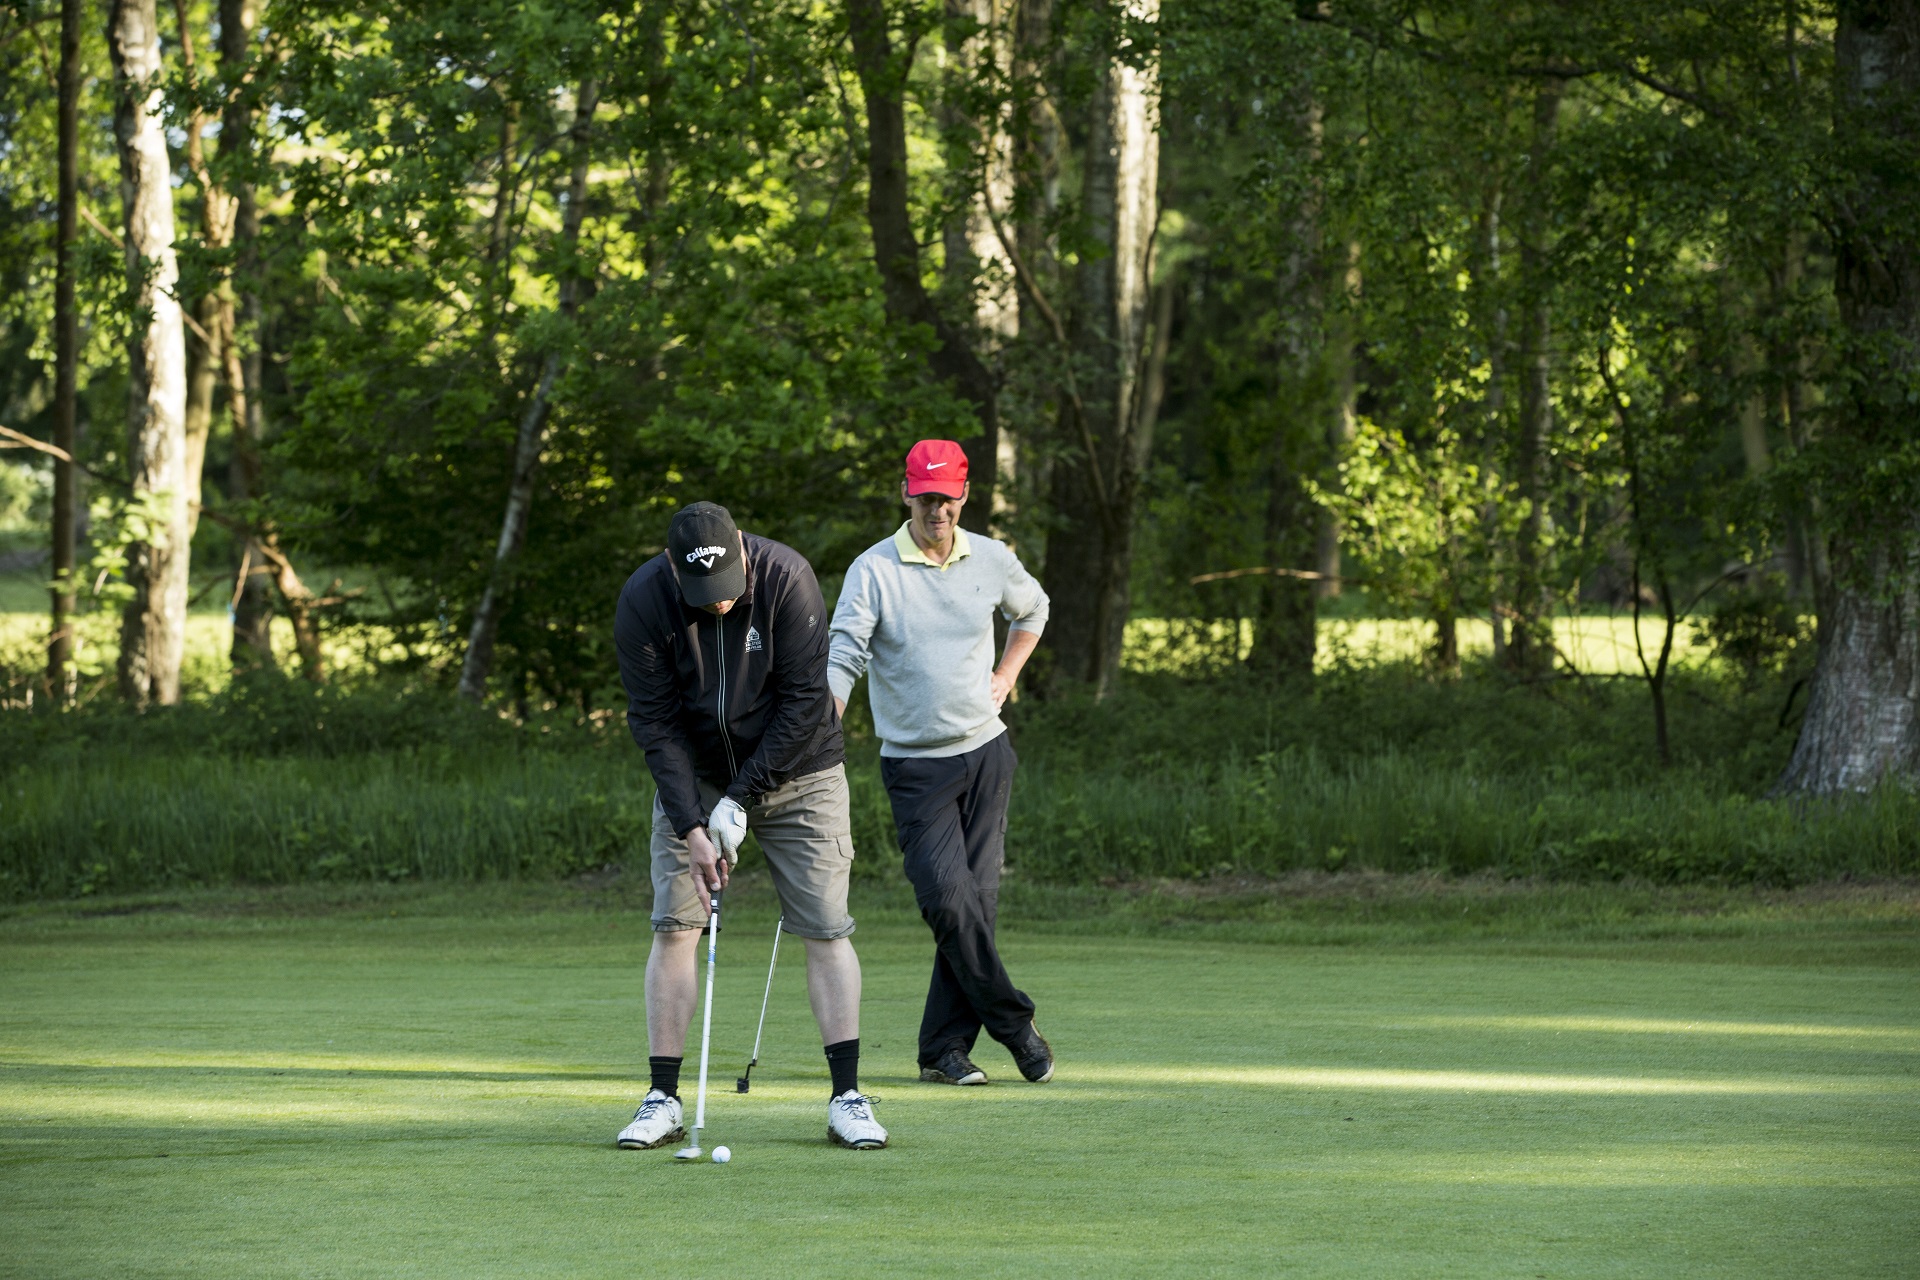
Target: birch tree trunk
(1118, 335)
(532, 435)
(213, 310)
(1863, 716)
(896, 249)
(153, 628)
(978, 268)
(66, 331)
(1530, 647)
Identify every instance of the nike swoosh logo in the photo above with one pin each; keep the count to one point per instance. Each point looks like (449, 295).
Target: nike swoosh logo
(935, 466)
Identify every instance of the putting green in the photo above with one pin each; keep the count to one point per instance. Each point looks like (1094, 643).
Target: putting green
(435, 1092)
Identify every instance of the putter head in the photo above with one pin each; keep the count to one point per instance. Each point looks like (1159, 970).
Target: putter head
(687, 1153)
(741, 1085)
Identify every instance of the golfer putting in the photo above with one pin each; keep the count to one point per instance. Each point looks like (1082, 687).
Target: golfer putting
(722, 642)
(916, 617)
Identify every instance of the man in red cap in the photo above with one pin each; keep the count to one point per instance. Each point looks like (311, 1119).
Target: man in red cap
(916, 617)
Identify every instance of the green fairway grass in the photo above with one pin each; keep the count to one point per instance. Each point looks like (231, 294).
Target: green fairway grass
(1324, 1077)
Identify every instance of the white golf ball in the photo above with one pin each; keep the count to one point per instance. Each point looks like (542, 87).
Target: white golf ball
(721, 1155)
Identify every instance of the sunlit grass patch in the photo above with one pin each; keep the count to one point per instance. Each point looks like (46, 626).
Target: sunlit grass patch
(375, 1092)
(1509, 1082)
(1905, 1038)
(1596, 644)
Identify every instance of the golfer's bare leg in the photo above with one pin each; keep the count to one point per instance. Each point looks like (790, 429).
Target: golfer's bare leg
(671, 991)
(833, 988)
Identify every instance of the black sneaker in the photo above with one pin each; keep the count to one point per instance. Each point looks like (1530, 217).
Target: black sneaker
(954, 1067)
(1033, 1055)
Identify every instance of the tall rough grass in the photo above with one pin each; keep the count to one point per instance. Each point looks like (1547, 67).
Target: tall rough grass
(1294, 809)
(160, 822)
(153, 821)
(278, 783)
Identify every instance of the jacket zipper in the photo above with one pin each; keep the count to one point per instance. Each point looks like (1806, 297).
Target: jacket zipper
(720, 699)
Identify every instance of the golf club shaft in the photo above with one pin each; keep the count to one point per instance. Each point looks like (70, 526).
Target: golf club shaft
(769, 993)
(706, 1023)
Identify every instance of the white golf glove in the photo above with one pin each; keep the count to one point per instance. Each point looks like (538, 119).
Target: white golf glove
(727, 827)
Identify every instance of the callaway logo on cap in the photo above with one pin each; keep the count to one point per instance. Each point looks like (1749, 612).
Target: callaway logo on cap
(936, 466)
(704, 545)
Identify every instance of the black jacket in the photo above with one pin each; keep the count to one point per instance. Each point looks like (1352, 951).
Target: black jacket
(740, 701)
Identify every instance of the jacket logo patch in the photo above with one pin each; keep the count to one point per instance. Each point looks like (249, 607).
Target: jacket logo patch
(753, 640)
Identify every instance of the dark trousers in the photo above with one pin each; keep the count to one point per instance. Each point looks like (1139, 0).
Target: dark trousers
(951, 814)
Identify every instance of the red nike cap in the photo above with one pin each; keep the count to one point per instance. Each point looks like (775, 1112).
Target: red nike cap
(936, 466)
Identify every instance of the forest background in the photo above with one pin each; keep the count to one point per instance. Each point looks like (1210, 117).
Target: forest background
(1462, 436)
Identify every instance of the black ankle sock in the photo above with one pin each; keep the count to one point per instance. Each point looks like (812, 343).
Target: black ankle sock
(666, 1075)
(843, 1059)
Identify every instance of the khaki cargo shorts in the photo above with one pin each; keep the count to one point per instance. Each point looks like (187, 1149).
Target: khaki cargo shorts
(805, 830)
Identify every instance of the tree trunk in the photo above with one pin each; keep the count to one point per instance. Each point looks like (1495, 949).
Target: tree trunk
(1807, 568)
(300, 606)
(252, 643)
(1495, 319)
(204, 358)
(1862, 724)
(1340, 424)
(1754, 445)
(1444, 656)
(212, 311)
(1863, 715)
(1285, 623)
(1285, 629)
(1530, 647)
(896, 250)
(1655, 672)
(532, 435)
(252, 603)
(659, 173)
(153, 629)
(1035, 140)
(1118, 327)
(66, 331)
(978, 270)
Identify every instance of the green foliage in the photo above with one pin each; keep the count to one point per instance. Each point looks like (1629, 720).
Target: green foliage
(1758, 631)
(730, 344)
(24, 496)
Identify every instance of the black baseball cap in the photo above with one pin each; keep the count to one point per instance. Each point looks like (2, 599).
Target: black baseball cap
(704, 544)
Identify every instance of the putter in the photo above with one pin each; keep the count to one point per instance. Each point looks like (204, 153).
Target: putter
(692, 1150)
(741, 1085)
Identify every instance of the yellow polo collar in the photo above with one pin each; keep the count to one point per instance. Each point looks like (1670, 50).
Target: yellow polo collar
(910, 552)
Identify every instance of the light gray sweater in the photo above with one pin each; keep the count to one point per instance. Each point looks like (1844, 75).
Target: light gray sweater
(923, 633)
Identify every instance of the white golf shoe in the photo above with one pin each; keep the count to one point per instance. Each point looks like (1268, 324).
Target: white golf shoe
(850, 1123)
(655, 1124)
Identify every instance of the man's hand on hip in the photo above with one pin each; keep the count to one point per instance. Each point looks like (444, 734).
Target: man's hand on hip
(709, 868)
(1002, 689)
(727, 826)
